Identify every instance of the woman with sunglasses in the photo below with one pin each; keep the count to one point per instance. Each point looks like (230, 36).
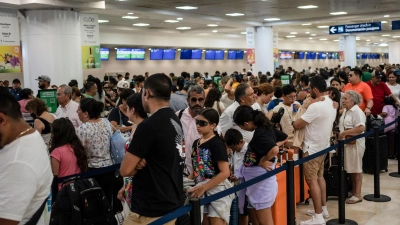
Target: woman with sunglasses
(259, 159)
(211, 168)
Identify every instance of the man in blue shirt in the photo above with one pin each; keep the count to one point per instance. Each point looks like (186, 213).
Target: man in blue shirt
(16, 89)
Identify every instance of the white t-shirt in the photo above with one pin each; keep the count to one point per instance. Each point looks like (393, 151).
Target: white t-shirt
(26, 177)
(320, 117)
(395, 90)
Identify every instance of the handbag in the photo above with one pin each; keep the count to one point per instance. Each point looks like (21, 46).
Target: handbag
(373, 121)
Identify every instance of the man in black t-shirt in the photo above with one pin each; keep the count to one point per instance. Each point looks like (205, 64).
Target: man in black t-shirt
(154, 156)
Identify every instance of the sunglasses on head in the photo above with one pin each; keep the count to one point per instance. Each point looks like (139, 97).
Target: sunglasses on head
(201, 123)
(197, 99)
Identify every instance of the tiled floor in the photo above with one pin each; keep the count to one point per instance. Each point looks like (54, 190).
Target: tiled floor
(365, 212)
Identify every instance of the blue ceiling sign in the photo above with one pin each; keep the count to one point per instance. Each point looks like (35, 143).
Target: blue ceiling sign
(396, 25)
(355, 28)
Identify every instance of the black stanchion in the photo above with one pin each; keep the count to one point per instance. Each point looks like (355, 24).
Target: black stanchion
(397, 174)
(195, 213)
(290, 198)
(301, 168)
(377, 197)
(342, 193)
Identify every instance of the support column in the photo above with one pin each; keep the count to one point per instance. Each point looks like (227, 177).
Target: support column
(264, 50)
(51, 45)
(350, 57)
(394, 52)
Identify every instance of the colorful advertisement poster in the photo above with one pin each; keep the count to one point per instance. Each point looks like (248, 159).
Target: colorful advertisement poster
(276, 55)
(91, 57)
(10, 51)
(251, 58)
(90, 41)
(341, 56)
(49, 97)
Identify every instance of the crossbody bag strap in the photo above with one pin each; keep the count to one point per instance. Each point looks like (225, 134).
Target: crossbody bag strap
(120, 117)
(35, 218)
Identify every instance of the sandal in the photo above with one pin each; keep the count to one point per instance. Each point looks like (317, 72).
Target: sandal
(353, 200)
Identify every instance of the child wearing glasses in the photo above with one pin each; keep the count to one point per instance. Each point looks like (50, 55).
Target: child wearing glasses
(211, 168)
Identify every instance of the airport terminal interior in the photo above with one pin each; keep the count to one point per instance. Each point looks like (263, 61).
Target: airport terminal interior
(205, 36)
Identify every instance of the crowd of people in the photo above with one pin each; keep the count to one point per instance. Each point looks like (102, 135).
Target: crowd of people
(189, 127)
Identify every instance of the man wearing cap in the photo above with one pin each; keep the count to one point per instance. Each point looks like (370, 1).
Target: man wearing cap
(44, 83)
(379, 91)
(381, 71)
(122, 85)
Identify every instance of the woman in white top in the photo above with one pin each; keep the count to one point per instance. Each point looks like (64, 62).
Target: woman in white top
(264, 94)
(352, 123)
(393, 86)
(213, 100)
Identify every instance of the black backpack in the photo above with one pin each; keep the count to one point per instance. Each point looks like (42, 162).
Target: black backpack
(81, 202)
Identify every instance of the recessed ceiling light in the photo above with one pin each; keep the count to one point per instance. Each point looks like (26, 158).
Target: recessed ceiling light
(183, 28)
(212, 25)
(384, 22)
(179, 49)
(323, 39)
(367, 40)
(272, 19)
(214, 31)
(171, 21)
(291, 36)
(310, 38)
(234, 14)
(149, 49)
(243, 33)
(376, 43)
(115, 48)
(130, 17)
(130, 13)
(385, 35)
(307, 7)
(186, 7)
(313, 35)
(102, 21)
(324, 26)
(307, 32)
(179, 18)
(338, 13)
(141, 24)
(386, 16)
(306, 24)
(293, 32)
(336, 40)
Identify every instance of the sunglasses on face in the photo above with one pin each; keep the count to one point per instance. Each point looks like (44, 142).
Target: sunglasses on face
(201, 123)
(197, 99)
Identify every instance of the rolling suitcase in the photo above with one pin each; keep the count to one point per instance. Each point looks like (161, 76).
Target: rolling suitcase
(369, 154)
(331, 176)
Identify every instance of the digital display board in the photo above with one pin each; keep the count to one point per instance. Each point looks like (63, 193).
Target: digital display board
(169, 54)
(219, 54)
(156, 54)
(138, 53)
(104, 53)
(210, 55)
(186, 54)
(123, 54)
(197, 53)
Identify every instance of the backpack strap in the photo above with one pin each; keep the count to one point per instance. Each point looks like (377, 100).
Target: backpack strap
(35, 218)
(76, 203)
(180, 114)
(106, 205)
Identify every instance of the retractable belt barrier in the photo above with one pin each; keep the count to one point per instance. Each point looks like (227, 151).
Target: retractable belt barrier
(185, 209)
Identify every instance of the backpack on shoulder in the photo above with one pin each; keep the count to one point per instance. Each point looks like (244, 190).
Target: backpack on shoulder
(81, 202)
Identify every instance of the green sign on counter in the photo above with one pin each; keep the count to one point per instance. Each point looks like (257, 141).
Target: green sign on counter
(49, 97)
(285, 79)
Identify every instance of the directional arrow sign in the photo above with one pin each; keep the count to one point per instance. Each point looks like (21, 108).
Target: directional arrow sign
(355, 28)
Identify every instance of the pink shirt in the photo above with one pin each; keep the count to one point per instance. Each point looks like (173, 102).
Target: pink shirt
(68, 161)
(391, 115)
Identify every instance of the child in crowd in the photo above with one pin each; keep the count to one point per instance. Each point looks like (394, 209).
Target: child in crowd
(234, 140)
(67, 153)
(211, 168)
(390, 113)
(263, 145)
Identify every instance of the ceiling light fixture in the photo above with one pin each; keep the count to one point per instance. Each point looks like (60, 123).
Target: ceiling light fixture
(307, 7)
(214, 31)
(293, 32)
(324, 26)
(384, 22)
(306, 24)
(130, 17)
(171, 21)
(386, 16)
(307, 32)
(183, 28)
(291, 36)
(367, 40)
(243, 32)
(102, 21)
(323, 39)
(186, 7)
(272, 19)
(212, 25)
(234, 14)
(130, 13)
(179, 18)
(336, 40)
(395, 36)
(313, 35)
(310, 38)
(141, 24)
(338, 13)
(385, 35)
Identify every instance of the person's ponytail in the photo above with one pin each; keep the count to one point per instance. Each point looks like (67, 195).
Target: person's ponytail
(261, 120)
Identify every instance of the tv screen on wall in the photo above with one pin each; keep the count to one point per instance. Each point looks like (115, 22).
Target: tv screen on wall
(169, 54)
(210, 55)
(104, 53)
(197, 53)
(219, 54)
(123, 54)
(156, 54)
(186, 54)
(239, 54)
(137, 54)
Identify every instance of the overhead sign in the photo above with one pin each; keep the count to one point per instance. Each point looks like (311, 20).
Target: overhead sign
(355, 28)
(396, 25)
(10, 51)
(90, 41)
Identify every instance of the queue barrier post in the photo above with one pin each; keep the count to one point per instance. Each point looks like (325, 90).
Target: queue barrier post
(342, 193)
(290, 198)
(377, 197)
(397, 147)
(195, 213)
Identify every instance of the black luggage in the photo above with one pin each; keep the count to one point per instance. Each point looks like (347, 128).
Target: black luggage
(82, 202)
(369, 154)
(331, 176)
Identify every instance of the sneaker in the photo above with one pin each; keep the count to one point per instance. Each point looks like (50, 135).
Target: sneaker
(313, 221)
(324, 214)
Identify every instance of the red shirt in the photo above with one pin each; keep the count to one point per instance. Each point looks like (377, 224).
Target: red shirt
(379, 92)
